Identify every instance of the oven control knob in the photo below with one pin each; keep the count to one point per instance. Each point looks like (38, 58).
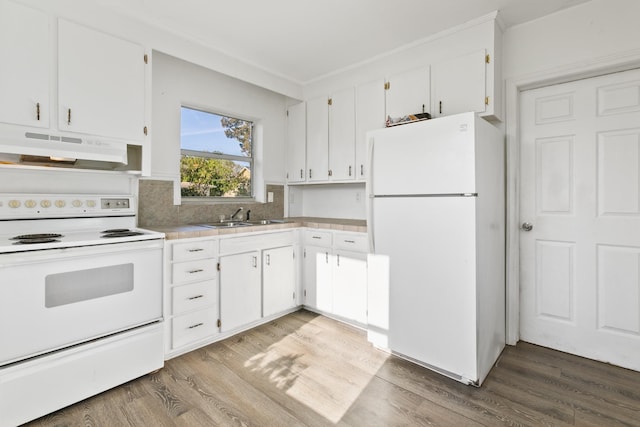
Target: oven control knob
(30, 203)
(14, 203)
(60, 203)
(76, 203)
(91, 203)
(45, 203)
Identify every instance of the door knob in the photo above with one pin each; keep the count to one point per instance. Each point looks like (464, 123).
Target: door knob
(527, 226)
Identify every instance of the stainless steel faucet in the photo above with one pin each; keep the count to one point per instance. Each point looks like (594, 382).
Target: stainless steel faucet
(236, 213)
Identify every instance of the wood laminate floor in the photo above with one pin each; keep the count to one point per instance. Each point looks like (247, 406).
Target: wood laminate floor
(308, 370)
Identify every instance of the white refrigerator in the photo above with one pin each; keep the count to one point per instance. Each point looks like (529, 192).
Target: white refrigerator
(436, 218)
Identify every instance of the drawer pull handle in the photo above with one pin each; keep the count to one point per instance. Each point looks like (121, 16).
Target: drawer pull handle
(196, 250)
(349, 241)
(196, 297)
(316, 237)
(199, 270)
(196, 325)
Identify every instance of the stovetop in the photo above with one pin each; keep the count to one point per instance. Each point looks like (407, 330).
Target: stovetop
(63, 221)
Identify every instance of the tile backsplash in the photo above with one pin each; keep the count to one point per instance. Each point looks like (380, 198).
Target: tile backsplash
(156, 208)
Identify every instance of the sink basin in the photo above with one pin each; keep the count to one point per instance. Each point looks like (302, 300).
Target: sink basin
(227, 224)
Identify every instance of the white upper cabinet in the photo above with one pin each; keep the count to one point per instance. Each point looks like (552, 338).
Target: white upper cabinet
(317, 139)
(369, 116)
(101, 83)
(459, 85)
(25, 49)
(408, 93)
(342, 134)
(296, 139)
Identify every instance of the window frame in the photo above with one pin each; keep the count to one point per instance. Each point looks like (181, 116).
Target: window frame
(211, 155)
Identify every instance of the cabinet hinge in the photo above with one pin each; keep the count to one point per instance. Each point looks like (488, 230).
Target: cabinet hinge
(330, 101)
(218, 266)
(387, 85)
(487, 59)
(486, 100)
(145, 131)
(219, 323)
(146, 58)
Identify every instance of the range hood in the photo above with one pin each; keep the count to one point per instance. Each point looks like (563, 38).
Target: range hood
(22, 147)
(66, 149)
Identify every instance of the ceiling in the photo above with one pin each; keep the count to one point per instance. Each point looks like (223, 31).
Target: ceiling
(302, 40)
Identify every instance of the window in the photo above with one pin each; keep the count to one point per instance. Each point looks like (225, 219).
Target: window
(215, 155)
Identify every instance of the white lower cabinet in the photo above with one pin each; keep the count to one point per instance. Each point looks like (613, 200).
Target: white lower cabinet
(257, 277)
(240, 293)
(350, 285)
(278, 280)
(335, 279)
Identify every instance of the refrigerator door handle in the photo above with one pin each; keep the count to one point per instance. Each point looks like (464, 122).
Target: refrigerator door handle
(370, 192)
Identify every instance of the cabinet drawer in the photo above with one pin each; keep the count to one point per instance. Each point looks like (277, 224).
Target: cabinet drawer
(191, 271)
(194, 296)
(317, 238)
(192, 327)
(351, 242)
(194, 250)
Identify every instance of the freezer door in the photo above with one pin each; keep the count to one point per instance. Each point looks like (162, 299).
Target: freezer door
(430, 157)
(432, 293)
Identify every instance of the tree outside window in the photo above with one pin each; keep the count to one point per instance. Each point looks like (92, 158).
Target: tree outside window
(216, 155)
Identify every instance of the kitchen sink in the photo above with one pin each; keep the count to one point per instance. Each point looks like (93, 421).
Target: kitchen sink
(227, 224)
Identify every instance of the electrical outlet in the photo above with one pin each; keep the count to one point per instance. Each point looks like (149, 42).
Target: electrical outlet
(270, 197)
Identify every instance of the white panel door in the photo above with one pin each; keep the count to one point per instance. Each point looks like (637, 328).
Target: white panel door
(350, 285)
(342, 135)
(240, 290)
(580, 191)
(278, 280)
(296, 141)
(369, 116)
(318, 139)
(318, 278)
(25, 50)
(408, 93)
(101, 83)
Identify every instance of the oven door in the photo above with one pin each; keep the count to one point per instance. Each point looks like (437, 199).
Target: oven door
(52, 299)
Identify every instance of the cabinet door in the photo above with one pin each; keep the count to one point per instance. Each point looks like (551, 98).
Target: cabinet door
(369, 116)
(25, 50)
(101, 83)
(408, 93)
(296, 139)
(240, 293)
(342, 134)
(459, 85)
(278, 280)
(318, 283)
(317, 139)
(350, 285)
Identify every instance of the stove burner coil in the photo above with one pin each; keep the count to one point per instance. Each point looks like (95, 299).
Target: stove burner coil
(32, 241)
(115, 230)
(42, 236)
(120, 233)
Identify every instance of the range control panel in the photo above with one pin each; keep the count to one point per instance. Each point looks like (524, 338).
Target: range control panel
(26, 206)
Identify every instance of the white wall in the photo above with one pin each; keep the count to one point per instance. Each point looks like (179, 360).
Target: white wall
(328, 201)
(586, 34)
(177, 82)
